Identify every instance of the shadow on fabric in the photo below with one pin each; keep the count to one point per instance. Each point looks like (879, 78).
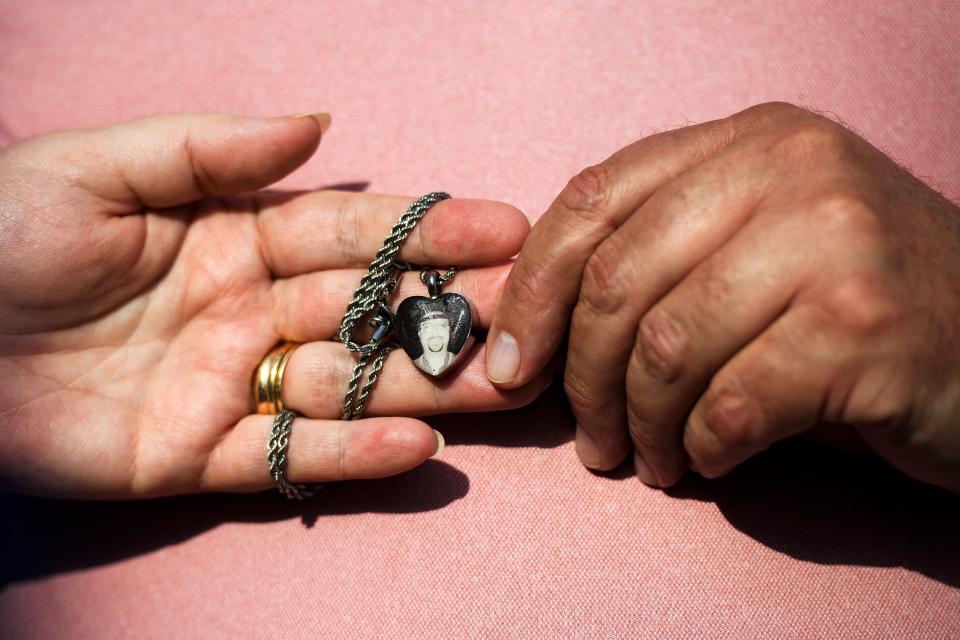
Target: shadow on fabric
(834, 507)
(42, 537)
(810, 502)
(545, 424)
(33, 544)
(813, 504)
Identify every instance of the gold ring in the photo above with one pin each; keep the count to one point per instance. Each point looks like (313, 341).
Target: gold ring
(268, 376)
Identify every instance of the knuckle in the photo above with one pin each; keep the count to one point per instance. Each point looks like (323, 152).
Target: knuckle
(847, 217)
(861, 303)
(203, 180)
(726, 416)
(702, 456)
(881, 398)
(528, 287)
(346, 230)
(778, 107)
(810, 138)
(587, 194)
(602, 287)
(715, 289)
(769, 112)
(661, 346)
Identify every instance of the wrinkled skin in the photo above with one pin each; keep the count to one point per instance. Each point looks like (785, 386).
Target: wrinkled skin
(733, 283)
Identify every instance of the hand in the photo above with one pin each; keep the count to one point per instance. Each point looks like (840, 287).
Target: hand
(737, 282)
(137, 298)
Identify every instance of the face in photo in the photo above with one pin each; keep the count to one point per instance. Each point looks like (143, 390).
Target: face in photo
(435, 335)
(434, 332)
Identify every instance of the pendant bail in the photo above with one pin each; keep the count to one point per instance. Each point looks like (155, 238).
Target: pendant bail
(433, 283)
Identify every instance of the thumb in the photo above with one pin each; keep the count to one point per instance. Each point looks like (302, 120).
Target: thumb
(169, 160)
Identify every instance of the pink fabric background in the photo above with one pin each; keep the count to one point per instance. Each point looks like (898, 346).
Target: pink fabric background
(506, 536)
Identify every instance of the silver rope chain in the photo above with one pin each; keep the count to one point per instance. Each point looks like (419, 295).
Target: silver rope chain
(277, 458)
(370, 300)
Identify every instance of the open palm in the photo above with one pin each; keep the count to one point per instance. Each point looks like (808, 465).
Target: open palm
(138, 293)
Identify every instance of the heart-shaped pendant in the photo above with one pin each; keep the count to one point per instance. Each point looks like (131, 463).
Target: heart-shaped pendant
(435, 331)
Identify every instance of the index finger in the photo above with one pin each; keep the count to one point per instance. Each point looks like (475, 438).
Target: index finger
(329, 229)
(540, 293)
(543, 287)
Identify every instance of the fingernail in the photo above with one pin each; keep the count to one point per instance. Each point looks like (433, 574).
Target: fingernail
(644, 474)
(713, 474)
(441, 443)
(587, 449)
(503, 361)
(323, 119)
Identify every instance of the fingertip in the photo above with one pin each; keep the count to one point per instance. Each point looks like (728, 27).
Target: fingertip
(502, 360)
(659, 478)
(713, 474)
(283, 144)
(711, 437)
(413, 436)
(643, 471)
(506, 368)
(300, 134)
(589, 451)
(322, 119)
(516, 227)
(659, 469)
(169, 160)
(468, 231)
(529, 324)
(388, 446)
(676, 475)
(499, 220)
(486, 396)
(228, 154)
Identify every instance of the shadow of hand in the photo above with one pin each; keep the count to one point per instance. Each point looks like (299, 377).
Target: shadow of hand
(41, 537)
(832, 507)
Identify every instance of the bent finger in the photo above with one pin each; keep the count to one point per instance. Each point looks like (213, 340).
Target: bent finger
(676, 229)
(774, 388)
(543, 286)
(703, 322)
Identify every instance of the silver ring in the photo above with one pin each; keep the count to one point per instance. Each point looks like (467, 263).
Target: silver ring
(277, 458)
